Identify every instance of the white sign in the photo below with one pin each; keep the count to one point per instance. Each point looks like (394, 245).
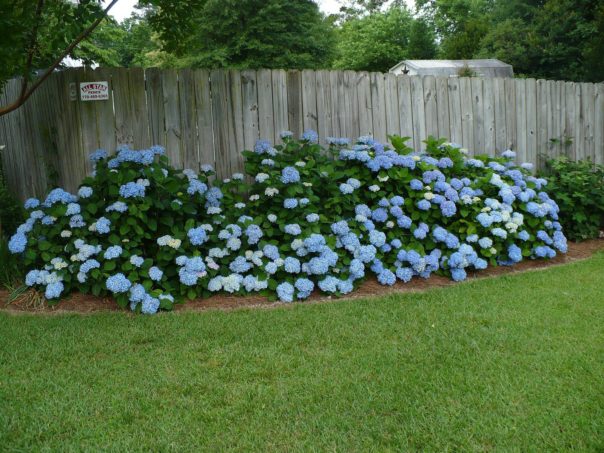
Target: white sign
(94, 91)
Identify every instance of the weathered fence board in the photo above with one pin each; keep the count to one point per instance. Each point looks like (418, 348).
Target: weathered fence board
(204, 116)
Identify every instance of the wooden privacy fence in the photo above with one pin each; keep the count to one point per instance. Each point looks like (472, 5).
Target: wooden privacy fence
(203, 116)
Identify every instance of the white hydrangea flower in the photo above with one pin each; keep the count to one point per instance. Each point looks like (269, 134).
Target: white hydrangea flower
(66, 234)
(374, 188)
(261, 177)
(271, 191)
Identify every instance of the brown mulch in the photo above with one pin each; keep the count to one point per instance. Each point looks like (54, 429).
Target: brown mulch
(84, 303)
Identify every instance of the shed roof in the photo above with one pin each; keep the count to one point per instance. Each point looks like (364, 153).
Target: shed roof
(430, 64)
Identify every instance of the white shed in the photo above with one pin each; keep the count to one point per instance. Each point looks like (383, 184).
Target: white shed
(454, 68)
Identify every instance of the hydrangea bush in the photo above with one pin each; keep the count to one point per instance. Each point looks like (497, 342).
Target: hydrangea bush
(307, 218)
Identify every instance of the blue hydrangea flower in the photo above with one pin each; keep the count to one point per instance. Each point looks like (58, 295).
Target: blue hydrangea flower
(290, 175)
(379, 215)
(290, 203)
(404, 274)
(150, 305)
(137, 294)
(132, 190)
(291, 265)
(524, 235)
(196, 187)
(515, 253)
(305, 287)
(337, 141)
(97, 155)
(312, 218)
(113, 252)
(118, 206)
(499, 232)
(271, 251)
(118, 283)
(155, 273)
(377, 238)
(54, 290)
(31, 203)
(262, 147)
(451, 241)
(137, 261)
(17, 243)
(346, 189)
(386, 277)
(317, 266)
(340, 228)
(85, 192)
(293, 229)
(285, 292)
(458, 274)
(197, 236)
(480, 263)
(366, 253)
(424, 205)
(310, 136)
(253, 233)
(329, 284)
(448, 208)
(103, 225)
(485, 243)
(88, 265)
(240, 265)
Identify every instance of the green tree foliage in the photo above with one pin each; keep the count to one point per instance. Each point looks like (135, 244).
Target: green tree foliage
(59, 23)
(243, 33)
(130, 43)
(556, 39)
(422, 42)
(377, 41)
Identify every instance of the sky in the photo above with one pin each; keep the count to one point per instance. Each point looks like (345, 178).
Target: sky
(123, 8)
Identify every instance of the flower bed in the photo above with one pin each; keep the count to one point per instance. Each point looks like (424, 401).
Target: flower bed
(312, 218)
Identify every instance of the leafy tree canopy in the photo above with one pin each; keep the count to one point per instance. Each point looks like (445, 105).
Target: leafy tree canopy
(243, 33)
(379, 40)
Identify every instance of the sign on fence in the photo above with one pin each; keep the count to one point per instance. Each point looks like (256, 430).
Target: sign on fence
(94, 91)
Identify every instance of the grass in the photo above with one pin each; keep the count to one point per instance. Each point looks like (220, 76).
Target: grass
(507, 364)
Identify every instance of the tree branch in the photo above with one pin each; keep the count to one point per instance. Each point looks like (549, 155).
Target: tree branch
(21, 100)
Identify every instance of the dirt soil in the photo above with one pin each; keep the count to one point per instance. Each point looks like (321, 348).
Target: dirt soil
(32, 302)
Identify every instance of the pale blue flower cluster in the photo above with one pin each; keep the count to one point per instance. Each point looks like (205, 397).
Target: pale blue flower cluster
(132, 190)
(290, 175)
(118, 283)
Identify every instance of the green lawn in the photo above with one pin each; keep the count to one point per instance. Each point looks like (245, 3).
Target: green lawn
(507, 364)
